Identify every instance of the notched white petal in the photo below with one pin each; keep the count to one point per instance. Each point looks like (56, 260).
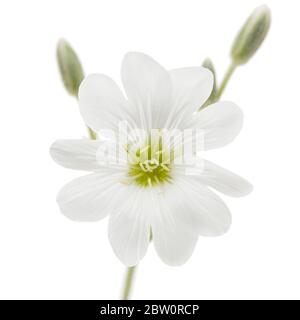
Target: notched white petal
(174, 246)
(219, 123)
(129, 229)
(198, 209)
(224, 180)
(102, 104)
(91, 197)
(191, 88)
(173, 242)
(76, 154)
(148, 87)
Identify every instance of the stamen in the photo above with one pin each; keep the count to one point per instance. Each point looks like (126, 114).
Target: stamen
(148, 171)
(156, 179)
(165, 167)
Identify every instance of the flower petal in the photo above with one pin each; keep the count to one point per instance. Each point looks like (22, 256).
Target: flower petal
(76, 154)
(223, 180)
(88, 155)
(148, 87)
(191, 88)
(102, 104)
(129, 228)
(91, 197)
(219, 123)
(197, 209)
(173, 242)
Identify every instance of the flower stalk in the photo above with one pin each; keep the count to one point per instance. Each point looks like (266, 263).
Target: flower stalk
(130, 273)
(225, 80)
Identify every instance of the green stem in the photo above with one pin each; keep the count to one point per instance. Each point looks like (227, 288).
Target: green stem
(128, 282)
(225, 80)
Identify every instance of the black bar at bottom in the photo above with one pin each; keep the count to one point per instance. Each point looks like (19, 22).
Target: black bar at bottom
(136, 309)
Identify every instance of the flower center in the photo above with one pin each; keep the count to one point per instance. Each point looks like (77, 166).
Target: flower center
(151, 165)
(149, 173)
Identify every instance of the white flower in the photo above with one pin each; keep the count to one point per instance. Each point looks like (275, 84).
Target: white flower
(173, 207)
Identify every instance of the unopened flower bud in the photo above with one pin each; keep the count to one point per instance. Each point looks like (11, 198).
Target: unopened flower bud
(251, 35)
(69, 66)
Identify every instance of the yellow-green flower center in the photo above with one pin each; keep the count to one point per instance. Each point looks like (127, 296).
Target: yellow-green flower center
(149, 173)
(151, 165)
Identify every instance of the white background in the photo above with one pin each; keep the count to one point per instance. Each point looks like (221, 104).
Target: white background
(43, 255)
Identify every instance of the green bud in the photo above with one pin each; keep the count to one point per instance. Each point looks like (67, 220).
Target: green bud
(251, 35)
(207, 63)
(69, 66)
